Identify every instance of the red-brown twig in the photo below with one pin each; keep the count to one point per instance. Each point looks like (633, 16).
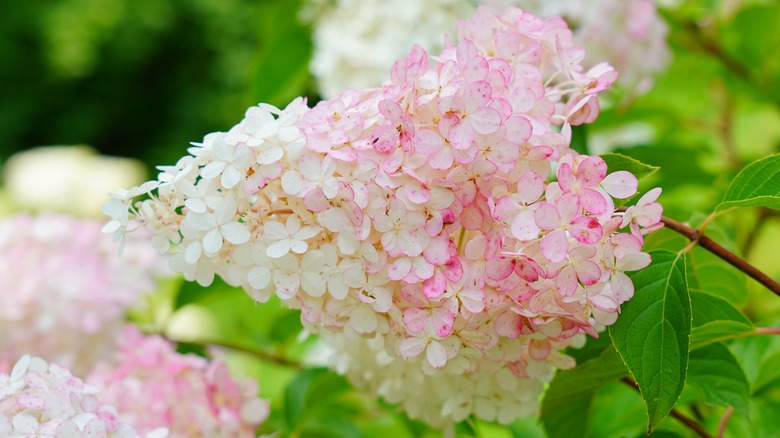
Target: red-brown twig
(713, 247)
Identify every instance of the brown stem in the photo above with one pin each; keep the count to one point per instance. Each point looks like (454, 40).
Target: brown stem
(713, 247)
(262, 355)
(725, 421)
(767, 330)
(679, 416)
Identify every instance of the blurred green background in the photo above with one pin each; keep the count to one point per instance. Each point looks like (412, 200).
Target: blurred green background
(142, 78)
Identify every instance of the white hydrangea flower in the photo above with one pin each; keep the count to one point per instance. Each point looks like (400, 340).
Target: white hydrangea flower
(357, 41)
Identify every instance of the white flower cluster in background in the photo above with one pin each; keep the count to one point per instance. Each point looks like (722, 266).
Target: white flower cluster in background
(63, 292)
(67, 179)
(357, 41)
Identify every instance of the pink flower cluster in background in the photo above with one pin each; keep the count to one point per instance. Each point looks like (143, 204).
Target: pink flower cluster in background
(40, 399)
(63, 292)
(152, 385)
(344, 31)
(440, 223)
(640, 51)
(147, 388)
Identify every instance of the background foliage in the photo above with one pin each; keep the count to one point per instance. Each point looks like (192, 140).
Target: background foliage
(142, 78)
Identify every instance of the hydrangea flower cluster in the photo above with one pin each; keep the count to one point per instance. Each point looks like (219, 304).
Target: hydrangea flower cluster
(356, 41)
(440, 223)
(63, 292)
(639, 53)
(40, 399)
(346, 30)
(153, 385)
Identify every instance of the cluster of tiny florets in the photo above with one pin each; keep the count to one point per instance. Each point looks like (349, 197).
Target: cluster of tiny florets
(63, 292)
(440, 223)
(38, 399)
(152, 385)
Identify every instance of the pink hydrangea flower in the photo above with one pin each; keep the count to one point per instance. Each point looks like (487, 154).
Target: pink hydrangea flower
(449, 226)
(63, 292)
(40, 399)
(154, 386)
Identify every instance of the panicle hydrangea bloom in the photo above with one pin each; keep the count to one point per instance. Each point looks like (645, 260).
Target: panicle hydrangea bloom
(63, 292)
(44, 400)
(356, 41)
(152, 385)
(440, 223)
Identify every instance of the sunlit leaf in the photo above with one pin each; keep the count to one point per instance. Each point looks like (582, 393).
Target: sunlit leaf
(528, 427)
(715, 371)
(758, 184)
(714, 319)
(653, 331)
(617, 162)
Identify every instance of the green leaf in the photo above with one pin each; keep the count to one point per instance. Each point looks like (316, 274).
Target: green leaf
(617, 162)
(592, 349)
(715, 319)
(768, 373)
(715, 371)
(662, 434)
(285, 327)
(579, 139)
(617, 411)
(758, 184)
(192, 292)
(528, 427)
(566, 404)
(753, 352)
(331, 426)
(653, 332)
(314, 398)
